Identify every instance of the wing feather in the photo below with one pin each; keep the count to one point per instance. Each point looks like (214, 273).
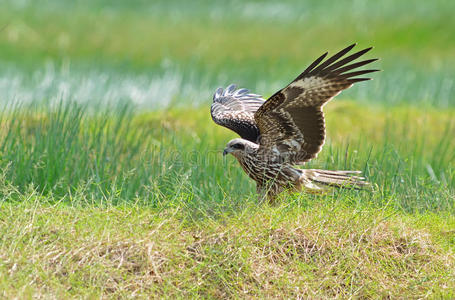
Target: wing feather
(333, 58)
(354, 65)
(234, 109)
(291, 122)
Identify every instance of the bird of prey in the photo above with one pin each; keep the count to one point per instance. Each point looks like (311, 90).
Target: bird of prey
(289, 129)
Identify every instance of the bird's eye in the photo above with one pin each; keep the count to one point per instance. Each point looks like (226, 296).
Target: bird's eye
(238, 146)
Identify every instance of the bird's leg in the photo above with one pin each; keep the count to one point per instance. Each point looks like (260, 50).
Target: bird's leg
(268, 192)
(262, 192)
(271, 198)
(265, 193)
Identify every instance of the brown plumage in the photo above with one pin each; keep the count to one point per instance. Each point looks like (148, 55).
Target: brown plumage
(289, 128)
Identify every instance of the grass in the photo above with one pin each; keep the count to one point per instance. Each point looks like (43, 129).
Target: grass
(117, 203)
(112, 183)
(121, 156)
(60, 251)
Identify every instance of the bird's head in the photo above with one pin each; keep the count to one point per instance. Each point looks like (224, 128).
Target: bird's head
(238, 147)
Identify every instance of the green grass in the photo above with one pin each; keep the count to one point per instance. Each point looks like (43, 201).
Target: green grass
(112, 182)
(167, 157)
(324, 251)
(116, 203)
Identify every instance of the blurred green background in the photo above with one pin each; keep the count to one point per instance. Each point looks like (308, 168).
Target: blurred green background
(160, 53)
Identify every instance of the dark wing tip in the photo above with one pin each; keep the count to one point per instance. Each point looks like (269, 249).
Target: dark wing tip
(354, 80)
(362, 52)
(336, 61)
(345, 50)
(357, 73)
(350, 46)
(313, 65)
(332, 59)
(342, 65)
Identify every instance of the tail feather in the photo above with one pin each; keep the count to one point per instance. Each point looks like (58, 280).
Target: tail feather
(345, 179)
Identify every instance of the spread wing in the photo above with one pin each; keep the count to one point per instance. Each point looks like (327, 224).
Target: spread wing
(235, 110)
(291, 122)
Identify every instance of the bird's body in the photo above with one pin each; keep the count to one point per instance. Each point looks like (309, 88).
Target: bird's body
(288, 129)
(267, 173)
(273, 177)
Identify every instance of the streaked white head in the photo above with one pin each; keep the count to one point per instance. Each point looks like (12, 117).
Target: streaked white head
(238, 147)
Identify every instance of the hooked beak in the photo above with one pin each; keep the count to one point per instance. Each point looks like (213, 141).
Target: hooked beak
(226, 151)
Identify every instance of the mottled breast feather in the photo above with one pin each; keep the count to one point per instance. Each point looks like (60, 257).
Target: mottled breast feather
(234, 109)
(291, 122)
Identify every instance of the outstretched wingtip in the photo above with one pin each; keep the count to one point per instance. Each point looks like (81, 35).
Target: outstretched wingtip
(231, 88)
(219, 91)
(354, 80)
(367, 49)
(347, 49)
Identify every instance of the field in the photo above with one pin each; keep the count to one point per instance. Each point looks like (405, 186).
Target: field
(112, 182)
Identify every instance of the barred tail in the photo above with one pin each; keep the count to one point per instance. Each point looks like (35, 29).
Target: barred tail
(340, 179)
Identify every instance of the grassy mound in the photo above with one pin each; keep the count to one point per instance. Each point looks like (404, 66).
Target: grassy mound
(61, 251)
